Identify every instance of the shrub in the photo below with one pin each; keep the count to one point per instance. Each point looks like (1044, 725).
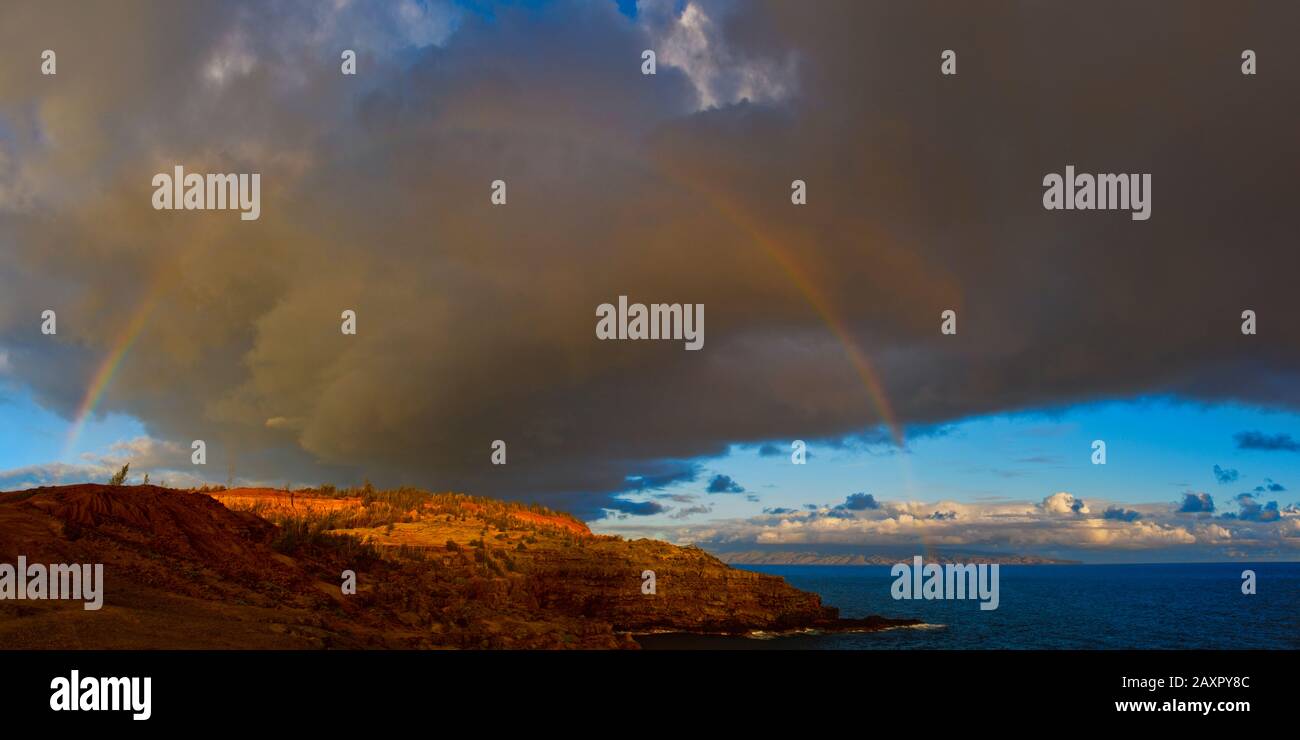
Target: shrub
(294, 533)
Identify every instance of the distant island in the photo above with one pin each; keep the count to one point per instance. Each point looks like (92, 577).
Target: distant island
(798, 557)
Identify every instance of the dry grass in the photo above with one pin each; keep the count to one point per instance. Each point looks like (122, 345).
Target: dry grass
(404, 523)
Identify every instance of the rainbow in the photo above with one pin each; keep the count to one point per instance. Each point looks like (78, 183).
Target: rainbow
(857, 357)
(820, 303)
(103, 376)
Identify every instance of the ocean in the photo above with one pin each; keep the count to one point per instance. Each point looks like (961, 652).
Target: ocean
(1197, 606)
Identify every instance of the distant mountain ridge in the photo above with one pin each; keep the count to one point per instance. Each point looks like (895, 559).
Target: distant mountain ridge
(795, 557)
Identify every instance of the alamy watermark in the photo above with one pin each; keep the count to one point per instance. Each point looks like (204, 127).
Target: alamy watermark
(195, 192)
(656, 321)
(57, 582)
(91, 694)
(1085, 192)
(952, 581)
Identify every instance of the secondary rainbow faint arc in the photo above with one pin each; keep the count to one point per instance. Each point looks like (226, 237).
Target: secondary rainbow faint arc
(103, 376)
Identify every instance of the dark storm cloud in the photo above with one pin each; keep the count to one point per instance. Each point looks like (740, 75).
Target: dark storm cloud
(636, 508)
(1195, 503)
(1267, 442)
(1252, 510)
(1118, 513)
(1225, 476)
(674, 473)
(724, 484)
(859, 502)
(476, 323)
(768, 449)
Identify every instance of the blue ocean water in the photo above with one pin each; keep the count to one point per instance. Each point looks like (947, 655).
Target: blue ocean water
(1054, 607)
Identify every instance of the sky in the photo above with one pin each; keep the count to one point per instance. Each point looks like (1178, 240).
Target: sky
(475, 321)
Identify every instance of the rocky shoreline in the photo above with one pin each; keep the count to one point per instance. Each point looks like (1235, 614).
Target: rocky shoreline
(182, 570)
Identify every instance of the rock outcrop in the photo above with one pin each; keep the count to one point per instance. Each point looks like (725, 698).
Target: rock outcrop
(265, 570)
